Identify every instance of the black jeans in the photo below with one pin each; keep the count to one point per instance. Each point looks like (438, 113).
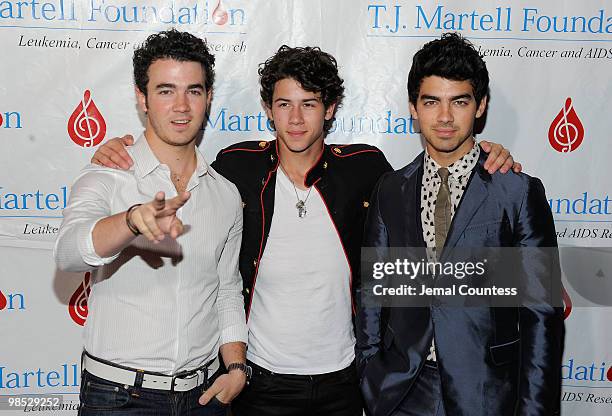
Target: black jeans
(270, 394)
(102, 397)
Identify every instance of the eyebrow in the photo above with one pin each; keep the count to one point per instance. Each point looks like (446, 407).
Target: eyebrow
(456, 97)
(189, 87)
(307, 100)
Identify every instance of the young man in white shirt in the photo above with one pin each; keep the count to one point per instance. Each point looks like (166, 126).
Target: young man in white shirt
(163, 239)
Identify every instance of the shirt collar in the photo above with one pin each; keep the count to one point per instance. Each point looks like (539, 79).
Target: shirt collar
(457, 169)
(202, 167)
(146, 162)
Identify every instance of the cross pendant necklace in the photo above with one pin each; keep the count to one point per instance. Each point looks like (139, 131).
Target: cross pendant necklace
(301, 204)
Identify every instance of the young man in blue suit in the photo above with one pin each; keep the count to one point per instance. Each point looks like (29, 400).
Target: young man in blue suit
(438, 359)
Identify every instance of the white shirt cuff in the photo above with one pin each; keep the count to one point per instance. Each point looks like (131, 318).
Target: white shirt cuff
(235, 333)
(86, 245)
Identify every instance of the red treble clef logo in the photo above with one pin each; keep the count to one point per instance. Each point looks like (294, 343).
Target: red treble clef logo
(86, 126)
(566, 131)
(219, 15)
(77, 306)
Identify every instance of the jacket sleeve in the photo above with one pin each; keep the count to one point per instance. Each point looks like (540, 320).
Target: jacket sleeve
(220, 164)
(368, 317)
(541, 317)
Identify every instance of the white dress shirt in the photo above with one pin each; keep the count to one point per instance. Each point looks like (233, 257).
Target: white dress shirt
(160, 307)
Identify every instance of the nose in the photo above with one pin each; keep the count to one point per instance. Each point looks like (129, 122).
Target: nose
(445, 114)
(296, 116)
(181, 103)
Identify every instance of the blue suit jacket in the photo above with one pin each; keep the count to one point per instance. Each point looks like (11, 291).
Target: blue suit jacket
(492, 360)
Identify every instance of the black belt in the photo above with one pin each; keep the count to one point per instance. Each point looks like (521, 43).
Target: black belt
(258, 370)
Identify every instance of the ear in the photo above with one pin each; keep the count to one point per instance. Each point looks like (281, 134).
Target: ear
(329, 111)
(142, 100)
(481, 107)
(413, 111)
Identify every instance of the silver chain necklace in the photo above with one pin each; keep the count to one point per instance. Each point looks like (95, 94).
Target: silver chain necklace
(300, 204)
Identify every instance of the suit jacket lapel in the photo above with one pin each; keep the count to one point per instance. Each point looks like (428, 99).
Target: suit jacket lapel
(473, 197)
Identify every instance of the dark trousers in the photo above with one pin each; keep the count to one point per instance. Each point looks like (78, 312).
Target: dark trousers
(270, 394)
(425, 396)
(102, 397)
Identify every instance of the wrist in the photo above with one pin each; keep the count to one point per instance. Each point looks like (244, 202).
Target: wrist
(241, 370)
(128, 219)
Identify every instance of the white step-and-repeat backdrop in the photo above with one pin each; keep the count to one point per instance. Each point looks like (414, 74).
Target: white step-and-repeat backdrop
(66, 87)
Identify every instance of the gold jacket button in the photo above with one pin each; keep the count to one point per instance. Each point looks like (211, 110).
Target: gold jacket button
(366, 204)
(324, 165)
(247, 290)
(255, 263)
(262, 144)
(243, 204)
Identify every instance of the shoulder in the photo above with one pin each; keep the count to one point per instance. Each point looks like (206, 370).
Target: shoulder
(397, 177)
(98, 183)
(413, 167)
(516, 185)
(95, 174)
(508, 184)
(361, 150)
(242, 160)
(225, 185)
(364, 157)
(252, 147)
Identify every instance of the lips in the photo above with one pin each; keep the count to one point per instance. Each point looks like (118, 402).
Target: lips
(445, 132)
(181, 124)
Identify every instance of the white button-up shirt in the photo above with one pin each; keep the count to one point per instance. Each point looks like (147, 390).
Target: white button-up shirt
(160, 307)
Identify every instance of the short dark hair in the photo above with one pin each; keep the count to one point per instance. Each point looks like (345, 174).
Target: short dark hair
(316, 71)
(172, 44)
(452, 57)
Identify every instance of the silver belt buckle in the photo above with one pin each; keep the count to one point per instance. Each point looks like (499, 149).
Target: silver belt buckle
(188, 375)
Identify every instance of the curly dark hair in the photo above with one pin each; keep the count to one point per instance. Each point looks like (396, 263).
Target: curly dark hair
(180, 46)
(452, 57)
(315, 70)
